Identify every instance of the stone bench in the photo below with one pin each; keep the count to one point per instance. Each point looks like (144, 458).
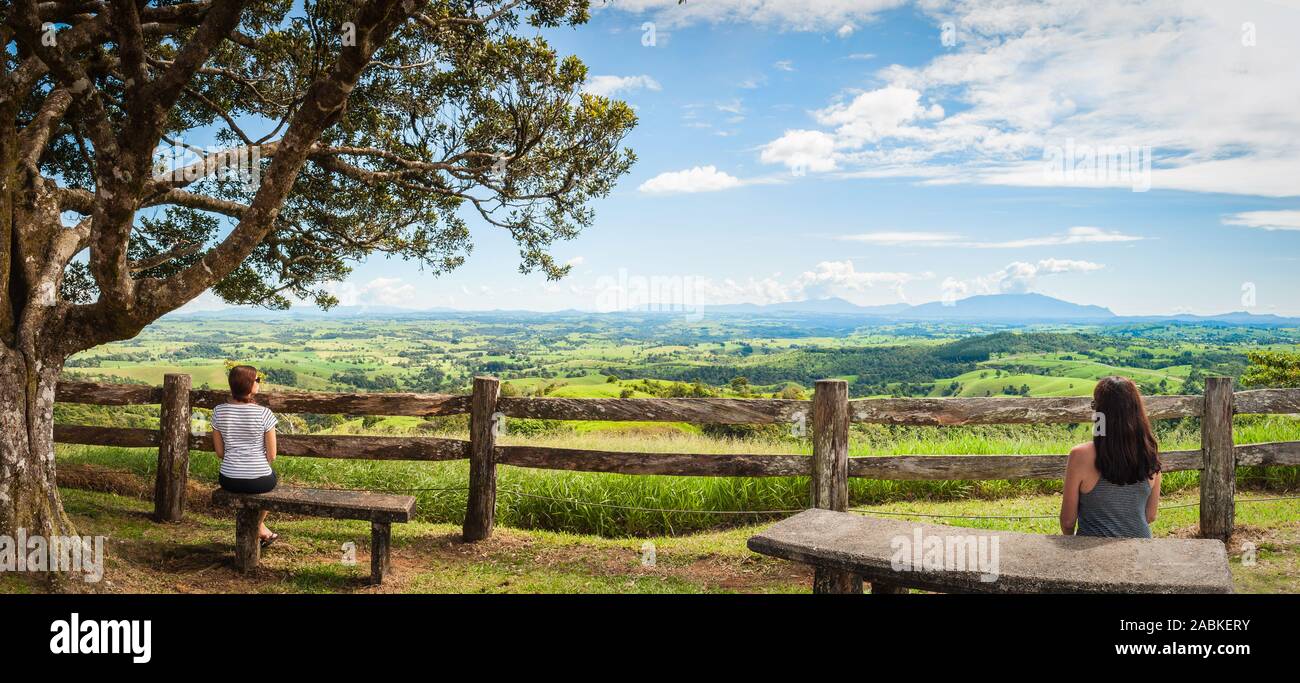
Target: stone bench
(382, 509)
(885, 553)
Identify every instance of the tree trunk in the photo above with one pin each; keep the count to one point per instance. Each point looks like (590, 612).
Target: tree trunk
(29, 498)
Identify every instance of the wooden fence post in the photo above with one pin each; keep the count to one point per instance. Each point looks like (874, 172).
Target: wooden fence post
(481, 506)
(1219, 473)
(830, 470)
(173, 449)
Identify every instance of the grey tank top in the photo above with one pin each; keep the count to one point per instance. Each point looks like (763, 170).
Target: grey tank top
(1116, 511)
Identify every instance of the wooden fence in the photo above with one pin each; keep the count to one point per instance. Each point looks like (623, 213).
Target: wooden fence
(828, 415)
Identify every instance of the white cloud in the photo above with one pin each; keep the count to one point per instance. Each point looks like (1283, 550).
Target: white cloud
(734, 106)
(576, 261)
(381, 291)
(1265, 220)
(802, 150)
(876, 114)
(838, 278)
(1076, 235)
(784, 65)
(1027, 76)
(902, 238)
(795, 15)
(846, 30)
(628, 290)
(1015, 277)
(697, 179)
(607, 86)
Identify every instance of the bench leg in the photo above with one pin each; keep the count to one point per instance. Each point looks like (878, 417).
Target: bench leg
(248, 547)
(882, 588)
(381, 539)
(836, 581)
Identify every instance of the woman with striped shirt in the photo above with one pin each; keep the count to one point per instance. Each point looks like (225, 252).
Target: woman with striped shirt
(243, 434)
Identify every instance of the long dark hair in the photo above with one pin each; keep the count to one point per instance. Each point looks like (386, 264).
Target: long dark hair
(1127, 451)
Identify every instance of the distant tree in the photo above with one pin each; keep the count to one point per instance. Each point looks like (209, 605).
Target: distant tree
(282, 376)
(1278, 369)
(792, 392)
(740, 385)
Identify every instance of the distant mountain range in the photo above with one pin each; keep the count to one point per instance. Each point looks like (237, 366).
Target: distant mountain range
(1001, 308)
(984, 307)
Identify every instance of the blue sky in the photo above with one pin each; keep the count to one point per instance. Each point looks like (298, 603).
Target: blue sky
(887, 151)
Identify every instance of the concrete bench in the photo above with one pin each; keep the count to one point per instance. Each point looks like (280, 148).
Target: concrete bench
(894, 555)
(382, 509)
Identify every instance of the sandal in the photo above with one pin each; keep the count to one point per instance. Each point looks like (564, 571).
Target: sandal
(266, 542)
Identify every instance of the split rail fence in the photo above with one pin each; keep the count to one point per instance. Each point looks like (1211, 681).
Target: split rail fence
(830, 414)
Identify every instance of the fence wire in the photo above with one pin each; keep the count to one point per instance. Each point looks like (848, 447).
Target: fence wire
(790, 511)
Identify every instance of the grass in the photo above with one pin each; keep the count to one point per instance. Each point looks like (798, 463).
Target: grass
(196, 555)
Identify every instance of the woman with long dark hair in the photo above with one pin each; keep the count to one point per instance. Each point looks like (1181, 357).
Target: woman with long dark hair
(243, 435)
(1112, 484)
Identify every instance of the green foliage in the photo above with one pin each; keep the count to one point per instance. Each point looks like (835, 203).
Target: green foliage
(1272, 369)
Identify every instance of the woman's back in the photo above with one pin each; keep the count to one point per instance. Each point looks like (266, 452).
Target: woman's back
(243, 428)
(1112, 483)
(1115, 510)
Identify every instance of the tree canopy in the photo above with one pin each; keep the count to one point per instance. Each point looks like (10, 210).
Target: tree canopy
(342, 129)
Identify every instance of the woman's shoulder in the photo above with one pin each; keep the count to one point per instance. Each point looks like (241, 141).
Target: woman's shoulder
(1084, 452)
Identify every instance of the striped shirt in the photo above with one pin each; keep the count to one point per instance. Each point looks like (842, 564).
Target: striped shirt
(243, 428)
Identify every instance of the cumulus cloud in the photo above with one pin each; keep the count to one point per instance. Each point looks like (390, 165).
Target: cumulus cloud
(608, 86)
(697, 179)
(837, 278)
(381, 291)
(1216, 108)
(801, 151)
(1265, 220)
(1014, 278)
(629, 290)
(875, 114)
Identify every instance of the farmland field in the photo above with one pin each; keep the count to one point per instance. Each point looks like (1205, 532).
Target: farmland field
(613, 356)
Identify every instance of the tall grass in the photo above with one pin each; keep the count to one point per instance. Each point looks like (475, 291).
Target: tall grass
(634, 505)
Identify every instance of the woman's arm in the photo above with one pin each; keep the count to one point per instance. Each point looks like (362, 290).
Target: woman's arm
(1153, 501)
(270, 445)
(1070, 495)
(218, 445)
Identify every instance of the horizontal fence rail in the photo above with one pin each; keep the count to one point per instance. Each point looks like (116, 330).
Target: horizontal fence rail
(321, 403)
(486, 407)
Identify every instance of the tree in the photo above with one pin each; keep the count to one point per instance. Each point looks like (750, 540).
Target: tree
(344, 128)
(1279, 369)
